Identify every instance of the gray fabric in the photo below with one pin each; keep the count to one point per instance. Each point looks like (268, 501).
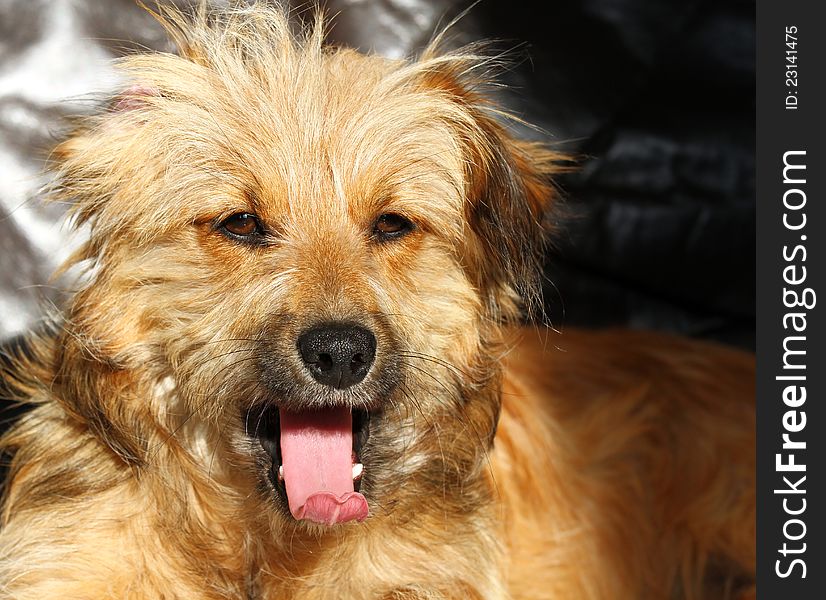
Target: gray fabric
(54, 63)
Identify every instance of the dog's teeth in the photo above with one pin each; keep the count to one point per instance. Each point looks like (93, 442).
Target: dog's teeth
(281, 473)
(358, 468)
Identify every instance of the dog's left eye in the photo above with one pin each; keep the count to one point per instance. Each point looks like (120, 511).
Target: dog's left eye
(391, 225)
(242, 225)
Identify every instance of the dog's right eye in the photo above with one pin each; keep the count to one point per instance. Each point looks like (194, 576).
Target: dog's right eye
(391, 226)
(242, 226)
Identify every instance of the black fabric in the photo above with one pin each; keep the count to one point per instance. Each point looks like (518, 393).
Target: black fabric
(657, 100)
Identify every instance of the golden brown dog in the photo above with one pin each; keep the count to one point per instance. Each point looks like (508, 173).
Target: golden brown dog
(291, 370)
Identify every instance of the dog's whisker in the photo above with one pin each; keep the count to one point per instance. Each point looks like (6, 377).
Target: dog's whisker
(203, 362)
(215, 445)
(445, 388)
(480, 438)
(435, 360)
(206, 398)
(257, 421)
(431, 425)
(231, 339)
(456, 399)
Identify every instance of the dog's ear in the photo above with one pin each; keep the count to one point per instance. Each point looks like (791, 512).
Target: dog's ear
(85, 137)
(135, 97)
(509, 194)
(509, 201)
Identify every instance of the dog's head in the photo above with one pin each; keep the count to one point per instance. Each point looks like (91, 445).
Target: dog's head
(315, 250)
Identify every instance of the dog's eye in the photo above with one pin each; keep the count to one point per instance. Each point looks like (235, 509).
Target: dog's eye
(391, 225)
(242, 225)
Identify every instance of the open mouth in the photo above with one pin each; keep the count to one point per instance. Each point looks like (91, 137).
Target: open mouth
(316, 461)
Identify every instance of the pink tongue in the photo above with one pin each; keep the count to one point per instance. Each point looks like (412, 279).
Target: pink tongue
(317, 455)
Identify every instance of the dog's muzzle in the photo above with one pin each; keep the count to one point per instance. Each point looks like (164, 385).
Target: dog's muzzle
(327, 383)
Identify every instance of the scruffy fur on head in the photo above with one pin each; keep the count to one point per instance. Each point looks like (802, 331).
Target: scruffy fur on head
(500, 463)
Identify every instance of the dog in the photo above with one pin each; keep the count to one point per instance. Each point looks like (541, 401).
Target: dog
(294, 366)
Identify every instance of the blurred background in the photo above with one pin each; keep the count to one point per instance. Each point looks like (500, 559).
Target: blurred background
(656, 98)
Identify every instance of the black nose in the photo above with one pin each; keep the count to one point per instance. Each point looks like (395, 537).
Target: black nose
(337, 354)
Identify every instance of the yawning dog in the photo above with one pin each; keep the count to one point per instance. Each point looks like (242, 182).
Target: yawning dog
(294, 369)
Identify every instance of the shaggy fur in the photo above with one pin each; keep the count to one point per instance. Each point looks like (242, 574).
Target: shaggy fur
(623, 463)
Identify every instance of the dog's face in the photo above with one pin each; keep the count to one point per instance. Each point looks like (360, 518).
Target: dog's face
(316, 247)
